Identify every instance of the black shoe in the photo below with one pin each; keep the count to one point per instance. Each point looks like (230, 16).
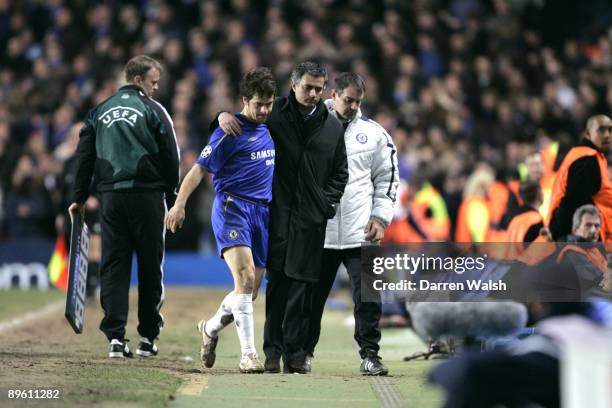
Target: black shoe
(146, 348)
(371, 365)
(119, 349)
(308, 363)
(272, 365)
(294, 367)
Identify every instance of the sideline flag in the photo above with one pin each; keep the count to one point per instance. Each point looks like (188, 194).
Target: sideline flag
(58, 265)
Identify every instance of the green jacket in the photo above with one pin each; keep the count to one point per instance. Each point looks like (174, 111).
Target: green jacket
(128, 141)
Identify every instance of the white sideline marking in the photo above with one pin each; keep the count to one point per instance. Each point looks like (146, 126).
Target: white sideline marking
(22, 320)
(384, 388)
(193, 385)
(311, 399)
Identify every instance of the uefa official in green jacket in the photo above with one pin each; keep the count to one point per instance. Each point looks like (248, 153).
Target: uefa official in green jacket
(129, 147)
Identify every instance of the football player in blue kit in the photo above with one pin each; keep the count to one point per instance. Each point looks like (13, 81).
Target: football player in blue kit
(242, 168)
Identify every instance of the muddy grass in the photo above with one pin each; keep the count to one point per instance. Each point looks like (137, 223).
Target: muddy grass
(47, 353)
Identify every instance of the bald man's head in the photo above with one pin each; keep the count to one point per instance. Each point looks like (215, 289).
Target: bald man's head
(599, 132)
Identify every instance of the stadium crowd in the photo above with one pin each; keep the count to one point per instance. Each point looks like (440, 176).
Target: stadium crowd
(455, 82)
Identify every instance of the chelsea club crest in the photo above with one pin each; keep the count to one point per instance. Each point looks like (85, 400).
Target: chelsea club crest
(362, 138)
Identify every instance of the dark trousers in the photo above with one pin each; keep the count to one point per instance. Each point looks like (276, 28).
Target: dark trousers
(132, 222)
(287, 311)
(367, 314)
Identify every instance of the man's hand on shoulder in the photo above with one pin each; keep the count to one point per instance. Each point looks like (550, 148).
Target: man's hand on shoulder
(229, 124)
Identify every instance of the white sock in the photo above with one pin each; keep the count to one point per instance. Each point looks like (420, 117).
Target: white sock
(222, 317)
(243, 316)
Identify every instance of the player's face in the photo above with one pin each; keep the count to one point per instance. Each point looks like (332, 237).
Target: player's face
(149, 82)
(308, 90)
(258, 108)
(589, 228)
(347, 102)
(601, 134)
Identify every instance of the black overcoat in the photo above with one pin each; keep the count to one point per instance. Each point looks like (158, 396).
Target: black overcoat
(309, 178)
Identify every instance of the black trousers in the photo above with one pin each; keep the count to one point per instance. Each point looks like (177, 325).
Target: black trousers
(367, 314)
(287, 310)
(132, 222)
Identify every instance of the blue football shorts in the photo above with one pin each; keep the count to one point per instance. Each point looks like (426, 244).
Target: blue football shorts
(236, 221)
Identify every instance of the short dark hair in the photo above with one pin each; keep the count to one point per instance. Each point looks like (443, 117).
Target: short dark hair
(140, 65)
(308, 67)
(258, 81)
(345, 79)
(528, 191)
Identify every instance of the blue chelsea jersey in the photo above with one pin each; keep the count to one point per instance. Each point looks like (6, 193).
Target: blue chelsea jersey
(241, 165)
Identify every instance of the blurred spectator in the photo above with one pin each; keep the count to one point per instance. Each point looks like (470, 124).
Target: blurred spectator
(28, 209)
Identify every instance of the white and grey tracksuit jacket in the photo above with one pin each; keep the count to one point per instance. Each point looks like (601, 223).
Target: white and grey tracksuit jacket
(372, 185)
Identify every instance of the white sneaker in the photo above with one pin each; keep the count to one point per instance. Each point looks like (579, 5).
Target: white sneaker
(208, 346)
(250, 364)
